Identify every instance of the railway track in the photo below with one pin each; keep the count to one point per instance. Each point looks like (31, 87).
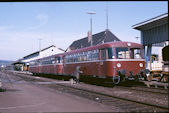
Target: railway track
(146, 89)
(126, 105)
(141, 88)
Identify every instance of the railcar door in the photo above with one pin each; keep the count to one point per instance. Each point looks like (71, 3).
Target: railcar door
(102, 68)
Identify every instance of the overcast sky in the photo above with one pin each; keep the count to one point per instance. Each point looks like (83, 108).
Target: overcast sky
(60, 23)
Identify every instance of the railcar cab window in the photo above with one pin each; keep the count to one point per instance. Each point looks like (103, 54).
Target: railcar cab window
(110, 53)
(122, 53)
(135, 53)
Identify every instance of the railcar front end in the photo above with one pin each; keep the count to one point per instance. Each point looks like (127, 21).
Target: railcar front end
(124, 61)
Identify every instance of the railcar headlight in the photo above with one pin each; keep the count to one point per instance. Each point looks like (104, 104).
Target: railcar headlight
(118, 65)
(129, 44)
(141, 64)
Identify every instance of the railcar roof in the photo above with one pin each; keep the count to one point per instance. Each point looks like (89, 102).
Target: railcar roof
(99, 46)
(60, 54)
(108, 44)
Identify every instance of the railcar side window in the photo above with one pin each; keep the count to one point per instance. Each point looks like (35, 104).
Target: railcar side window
(58, 60)
(52, 60)
(48, 61)
(122, 53)
(95, 55)
(37, 62)
(110, 53)
(135, 53)
(89, 56)
(103, 54)
(82, 56)
(32, 63)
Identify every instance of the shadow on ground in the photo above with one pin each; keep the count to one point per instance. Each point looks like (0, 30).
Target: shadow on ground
(94, 81)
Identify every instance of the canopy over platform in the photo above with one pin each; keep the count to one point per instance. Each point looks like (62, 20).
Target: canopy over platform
(154, 30)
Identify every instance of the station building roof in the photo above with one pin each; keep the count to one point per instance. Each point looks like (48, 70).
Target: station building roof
(104, 36)
(32, 55)
(153, 22)
(37, 52)
(154, 31)
(19, 61)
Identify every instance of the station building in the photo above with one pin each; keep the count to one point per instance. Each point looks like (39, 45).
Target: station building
(154, 33)
(23, 64)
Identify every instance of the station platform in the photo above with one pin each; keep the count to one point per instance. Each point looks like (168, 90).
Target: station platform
(22, 72)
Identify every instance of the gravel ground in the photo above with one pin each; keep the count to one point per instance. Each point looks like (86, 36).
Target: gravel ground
(141, 96)
(27, 97)
(151, 98)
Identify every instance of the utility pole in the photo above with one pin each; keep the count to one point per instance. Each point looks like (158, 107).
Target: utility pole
(39, 54)
(91, 13)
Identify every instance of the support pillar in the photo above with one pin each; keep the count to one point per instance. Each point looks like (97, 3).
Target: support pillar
(148, 55)
(141, 40)
(149, 49)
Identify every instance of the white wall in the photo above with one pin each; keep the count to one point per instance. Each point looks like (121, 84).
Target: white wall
(30, 59)
(45, 53)
(49, 52)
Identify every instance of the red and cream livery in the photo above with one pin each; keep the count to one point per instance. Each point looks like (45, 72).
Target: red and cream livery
(108, 60)
(47, 65)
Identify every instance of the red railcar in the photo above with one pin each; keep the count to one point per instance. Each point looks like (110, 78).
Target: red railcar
(108, 60)
(47, 65)
(115, 60)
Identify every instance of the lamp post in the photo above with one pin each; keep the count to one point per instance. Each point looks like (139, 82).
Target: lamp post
(137, 39)
(91, 13)
(107, 14)
(39, 46)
